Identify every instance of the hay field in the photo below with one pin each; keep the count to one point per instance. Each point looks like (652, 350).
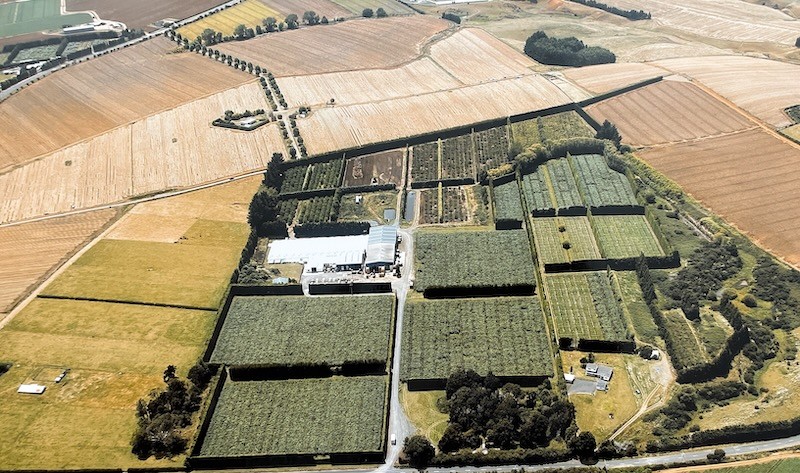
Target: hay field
(248, 13)
(750, 178)
(391, 7)
(96, 96)
(607, 77)
(29, 252)
(760, 86)
(668, 111)
(352, 45)
(730, 20)
(141, 13)
(173, 149)
(320, 7)
(474, 56)
(352, 87)
(357, 125)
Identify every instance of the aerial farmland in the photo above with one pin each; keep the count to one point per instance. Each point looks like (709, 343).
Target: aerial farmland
(384, 235)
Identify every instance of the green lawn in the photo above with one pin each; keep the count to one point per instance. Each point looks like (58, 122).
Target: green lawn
(193, 272)
(31, 16)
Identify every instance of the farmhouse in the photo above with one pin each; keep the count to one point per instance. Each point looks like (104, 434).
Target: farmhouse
(381, 247)
(600, 371)
(341, 253)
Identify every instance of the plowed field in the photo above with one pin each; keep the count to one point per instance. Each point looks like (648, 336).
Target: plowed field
(668, 111)
(751, 178)
(607, 77)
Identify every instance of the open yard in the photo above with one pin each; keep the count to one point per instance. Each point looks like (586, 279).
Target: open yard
(762, 201)
(32, 16)
(98, 95)
(372, 207)
(300, 330)
(625, 236)
(248, 13)
(585, 307)
(666, 112)
(161, 152)
(142, 13)
(379, 168)
(29, 252)
(352, 45)
(318, 416)
(506, 336)
(474, 260)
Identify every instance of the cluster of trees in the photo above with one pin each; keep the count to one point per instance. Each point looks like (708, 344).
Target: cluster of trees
(209, 37)
(264, 212)
(629, 14)
(773, 283)
(452, 17)
(163, 415)
(368, 13)
(565, 51)
(483, 409)
(708, 267)
(608, 131)
(678, 411)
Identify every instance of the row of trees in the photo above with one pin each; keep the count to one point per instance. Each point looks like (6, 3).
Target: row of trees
(565, 51)
(264, 213)
(629, 14)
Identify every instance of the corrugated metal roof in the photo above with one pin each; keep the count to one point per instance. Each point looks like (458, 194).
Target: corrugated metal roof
(316, 252)
(381, 245)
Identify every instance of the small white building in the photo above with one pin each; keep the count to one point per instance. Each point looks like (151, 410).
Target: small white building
(31, 389)
(569, 378)
(599, 371)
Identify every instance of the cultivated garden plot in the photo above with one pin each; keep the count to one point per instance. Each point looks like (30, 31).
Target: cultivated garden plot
(298, 416)
(491, 147)
(564, 239)
(443, 205)
(470, 261)
(585, 307)
(317, 176)
(506, 336)
(600, 185)
(625, 236)
(379, 168)
(296, 330)
(552, 127)
(316, 210)
(425, 162)
(507, 204)
(686, 112)
(538, 194)
(458, 157)
(568, 198)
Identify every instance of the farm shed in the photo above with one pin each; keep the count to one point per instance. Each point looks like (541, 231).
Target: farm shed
(599, 371)
(31, 389)
(381, 246)
(341, 253)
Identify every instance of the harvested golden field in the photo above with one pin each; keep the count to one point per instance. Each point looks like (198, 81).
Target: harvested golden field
(760, 86)
(474, 56)
(730, 20)
(353, 126)
(321, 7)
(391, 7)
(750, 178)
(248, 13)
(607, 77)
(352, 45)
(668, 111)
(30, 251)
(173, 149)
(352, 87)
(96, 96)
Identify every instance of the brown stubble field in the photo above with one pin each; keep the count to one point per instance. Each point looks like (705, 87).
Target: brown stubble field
(29, 252)
(141, 13)
(668, 111)
(173, 149)
(98, 95)
(352, 45)
(751, 178)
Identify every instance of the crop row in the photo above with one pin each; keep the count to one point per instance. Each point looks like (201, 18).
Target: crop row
(318, 210)
(325, 175)
(474, 259)
(602, 186)
(507, 202)
(287, 209)
(566, 190)
(506, 336)
(625, 236)
(607, 305)
(492, 147)
(550, 128)
(288, 330)
(425, 162)
(537, 194)
(564, 239)
(458, 157)
(443, 205)
(298, 416)
(429, 206)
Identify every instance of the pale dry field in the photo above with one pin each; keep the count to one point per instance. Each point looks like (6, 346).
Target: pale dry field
(352, 87)
(320, 7)
(760, 86)
(352, 45)
(248, 13)
(474, 56)
(352, 126)
(730, 20)
(173, 149)
(750, 178)
(668, 111)
(93, 97)
(30, 251)
(607, 77)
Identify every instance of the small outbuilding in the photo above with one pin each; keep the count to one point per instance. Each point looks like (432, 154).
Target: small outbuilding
(599, 371)
(31, 389)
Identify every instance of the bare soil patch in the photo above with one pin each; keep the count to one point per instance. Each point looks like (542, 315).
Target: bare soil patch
(385, 168)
